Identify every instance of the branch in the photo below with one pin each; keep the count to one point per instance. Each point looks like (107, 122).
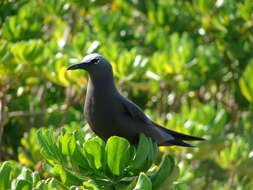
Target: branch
(1, 117)
(2, 104)
(26, 114)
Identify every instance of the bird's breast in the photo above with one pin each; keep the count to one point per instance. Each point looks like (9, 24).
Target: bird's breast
(99, 114)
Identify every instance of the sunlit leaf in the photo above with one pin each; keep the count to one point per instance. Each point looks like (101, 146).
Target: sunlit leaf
(143, 182)
(246, 83)
(118, 154)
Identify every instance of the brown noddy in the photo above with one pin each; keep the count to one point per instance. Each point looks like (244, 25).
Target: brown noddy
(108, 113)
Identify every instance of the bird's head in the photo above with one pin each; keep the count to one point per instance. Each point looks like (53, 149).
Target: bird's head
(93, 63)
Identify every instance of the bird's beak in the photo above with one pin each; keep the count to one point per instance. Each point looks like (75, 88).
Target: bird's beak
(78, 66)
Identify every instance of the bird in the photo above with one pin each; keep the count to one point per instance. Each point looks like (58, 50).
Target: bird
(109, 113)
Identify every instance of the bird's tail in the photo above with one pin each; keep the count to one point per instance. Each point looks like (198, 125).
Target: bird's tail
(178, 138)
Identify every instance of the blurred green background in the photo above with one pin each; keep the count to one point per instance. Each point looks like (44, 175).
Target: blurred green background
(188, 64)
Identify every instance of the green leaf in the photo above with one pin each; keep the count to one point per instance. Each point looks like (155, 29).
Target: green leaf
(128, 184)
(246, 82)
(171, 178)
(76, 188)
(43, 185)
(153, 152)
(71, 145)
(50, 183)
(78, 158)
(44, 142)
(50, 149)
(64, 141)
(26, 174)
(94, 151)
(163, 172)
(35, 178)
(79, 135)
(143, 182)
(67, 177)
(23, 184)
(5, 174)
(55, 184)
(142, 152)
(90, 185)
(180, 186)
(118, 155)
(151, 156)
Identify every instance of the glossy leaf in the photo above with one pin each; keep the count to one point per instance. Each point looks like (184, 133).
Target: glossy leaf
(163, 172)
(23, 184)
(5, 174)
(143, 182)
(94, 151)
(144, 149)
(246, 83)
(118, 155)
(181, 186)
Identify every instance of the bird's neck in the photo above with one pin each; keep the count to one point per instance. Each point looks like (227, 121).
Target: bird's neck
(102, 83)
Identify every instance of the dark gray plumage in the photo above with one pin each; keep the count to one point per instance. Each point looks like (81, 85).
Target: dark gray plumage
(108, 113)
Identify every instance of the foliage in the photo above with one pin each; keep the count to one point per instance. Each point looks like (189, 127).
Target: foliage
(188, 64)
(92, 164)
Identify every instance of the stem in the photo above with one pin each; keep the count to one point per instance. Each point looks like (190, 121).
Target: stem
(231, 178)
(1, 121)
(3, 92)
(1, 116)
(41, 97)
(68, 104)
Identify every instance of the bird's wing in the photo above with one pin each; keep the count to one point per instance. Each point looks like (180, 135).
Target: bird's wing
(159, 134)
(147, 127)
(135, 112)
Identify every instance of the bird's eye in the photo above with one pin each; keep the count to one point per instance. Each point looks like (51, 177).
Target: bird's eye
(94, 61)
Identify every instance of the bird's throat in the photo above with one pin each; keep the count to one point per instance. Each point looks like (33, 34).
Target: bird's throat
(101, 84)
